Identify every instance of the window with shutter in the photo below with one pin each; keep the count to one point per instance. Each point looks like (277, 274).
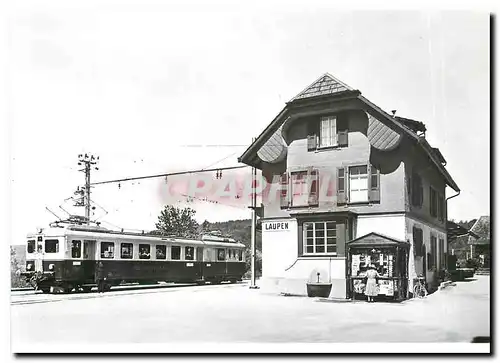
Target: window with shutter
(433, 261)
(312, 134)
(284, 200)
(358, 184)
(417, 194)
(433, 201)
(314, 187)
(299, 193)
(417, 241)
(374, 190)
(341, 186)
(343, 131)
(328, 131)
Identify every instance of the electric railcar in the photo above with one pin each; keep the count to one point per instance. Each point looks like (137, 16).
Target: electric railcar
(64, 258)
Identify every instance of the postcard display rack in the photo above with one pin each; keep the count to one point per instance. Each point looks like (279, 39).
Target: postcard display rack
(391, 264)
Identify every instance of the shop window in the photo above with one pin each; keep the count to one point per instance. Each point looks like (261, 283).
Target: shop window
(161, 252)
(221, 254)
(31, 246)
(127, 250)
(107, 250)
(175, 253)
(76, 249)
(51, 245)
(320, 238)
(144, 251)
(189, 253)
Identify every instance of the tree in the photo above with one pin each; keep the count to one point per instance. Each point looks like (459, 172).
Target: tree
(175, 221)
(16, 281)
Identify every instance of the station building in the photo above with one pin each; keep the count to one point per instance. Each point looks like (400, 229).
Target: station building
(349, 174)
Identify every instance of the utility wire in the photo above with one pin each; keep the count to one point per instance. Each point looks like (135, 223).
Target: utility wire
(169, 174)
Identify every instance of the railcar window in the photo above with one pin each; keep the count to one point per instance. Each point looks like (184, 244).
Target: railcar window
(51, 245)
(76, 249)
(161, 252)
(31, 246)
(189, 251)
(175, 253)
(144, 252)
(221, 254)
(88, 248)
(107, 250)
(127, 250)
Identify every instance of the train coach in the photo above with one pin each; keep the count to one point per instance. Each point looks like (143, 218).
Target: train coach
(70, 257)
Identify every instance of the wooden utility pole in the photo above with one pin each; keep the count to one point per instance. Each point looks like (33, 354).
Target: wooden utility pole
(254, 226)
(89, 161)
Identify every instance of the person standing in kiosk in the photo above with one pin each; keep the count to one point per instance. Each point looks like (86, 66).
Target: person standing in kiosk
(371, 289)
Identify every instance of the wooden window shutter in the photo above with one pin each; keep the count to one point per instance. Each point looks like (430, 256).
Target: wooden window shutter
(342, 190)
(341, 239)
(342, 131)
(313, 175)
(374, 184)
(311, 142)
(312, 134)
(284, 195)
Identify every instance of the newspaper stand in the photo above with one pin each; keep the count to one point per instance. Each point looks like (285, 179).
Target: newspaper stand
(390, 258)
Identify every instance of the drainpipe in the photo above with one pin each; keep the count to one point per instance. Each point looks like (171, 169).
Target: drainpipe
(447, 199)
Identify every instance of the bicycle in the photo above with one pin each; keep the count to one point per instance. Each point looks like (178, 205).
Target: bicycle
(419, 289)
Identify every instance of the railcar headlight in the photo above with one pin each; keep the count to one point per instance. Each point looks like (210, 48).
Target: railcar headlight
(29, 266)
(51, 266)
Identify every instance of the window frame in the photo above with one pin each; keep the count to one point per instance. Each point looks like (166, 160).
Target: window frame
(218, 253)
(325, 238)
(186, 255)
(332, 127)
(349, 186)
(304, 185)
(80, 249)
(28, 244)
(52, 240)
(172, 252)
(125, 244)
(103, 251)
(144, 256)
(164, 252)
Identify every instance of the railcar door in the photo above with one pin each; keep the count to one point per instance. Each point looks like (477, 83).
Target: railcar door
(39, 256)
(89, 247)
(199, 262)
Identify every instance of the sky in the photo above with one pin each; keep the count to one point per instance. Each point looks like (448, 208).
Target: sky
(156, 87)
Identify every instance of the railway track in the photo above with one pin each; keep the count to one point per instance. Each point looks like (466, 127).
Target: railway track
(25, 297)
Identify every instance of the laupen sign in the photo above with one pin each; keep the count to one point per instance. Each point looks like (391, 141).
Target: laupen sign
(276, 226)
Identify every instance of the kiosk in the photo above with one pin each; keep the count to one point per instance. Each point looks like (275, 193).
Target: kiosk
(390, 258)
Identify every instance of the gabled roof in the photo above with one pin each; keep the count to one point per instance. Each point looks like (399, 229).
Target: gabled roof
(376, 240)
(328, 86)
(324, 85)
(481, 231)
